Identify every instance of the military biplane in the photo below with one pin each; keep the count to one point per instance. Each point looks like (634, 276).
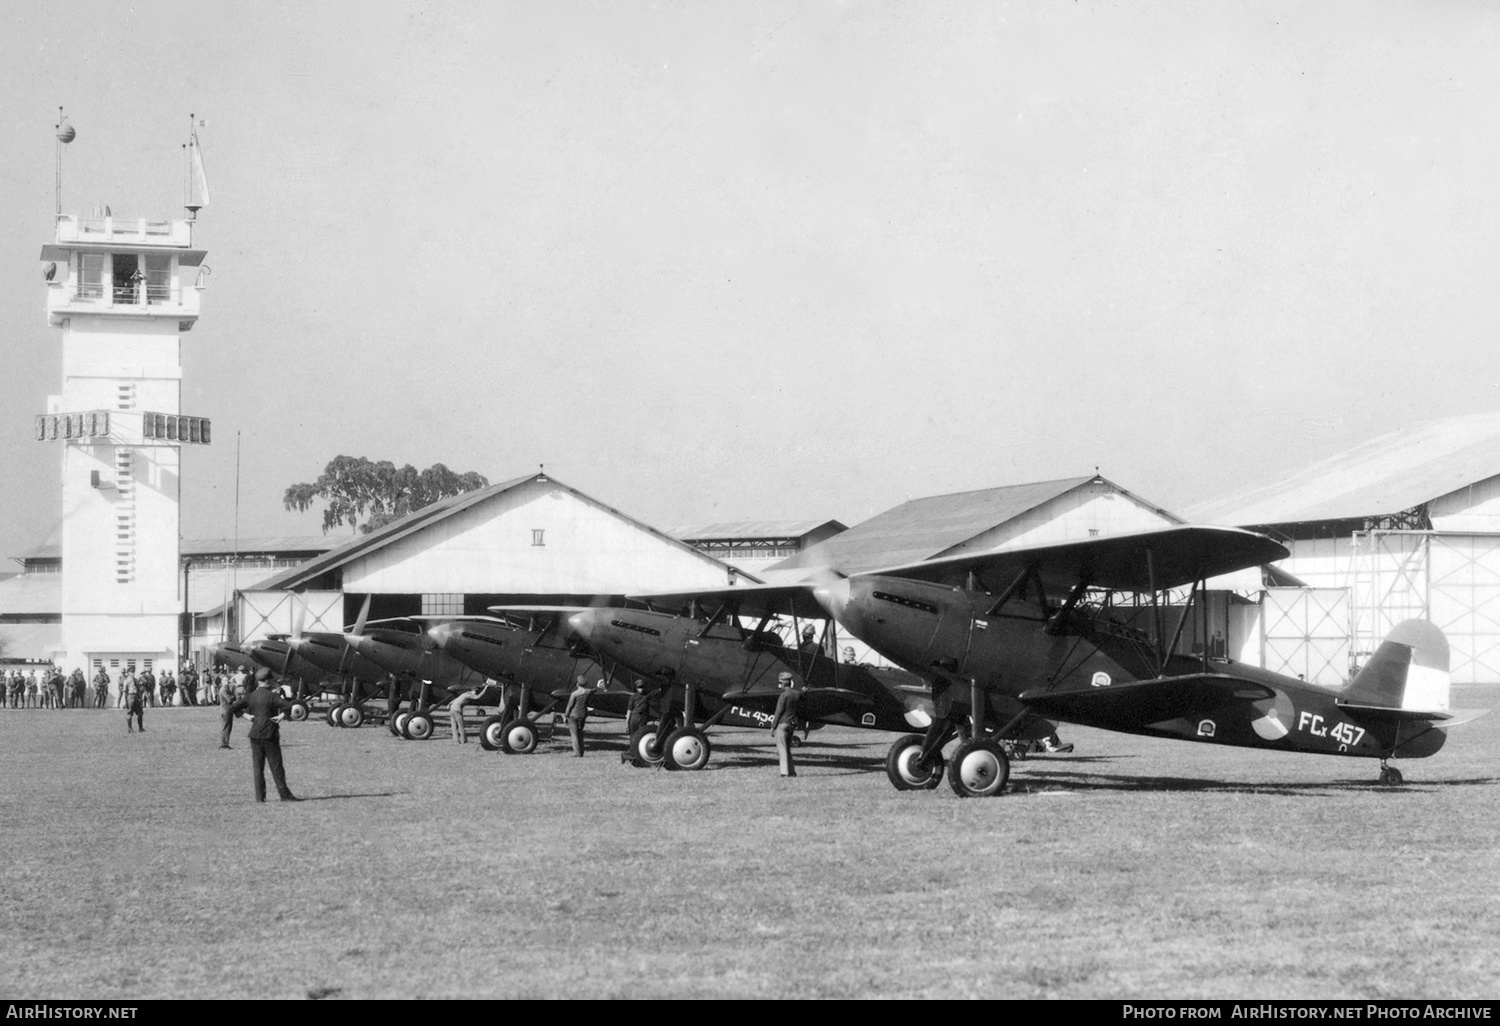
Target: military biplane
(1088, 632)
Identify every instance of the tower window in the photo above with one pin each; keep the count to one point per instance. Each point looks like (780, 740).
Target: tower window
(536, 537)
(90, 275)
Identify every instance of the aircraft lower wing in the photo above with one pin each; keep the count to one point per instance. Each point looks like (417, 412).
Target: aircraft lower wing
(1139, 703)
(815, 703)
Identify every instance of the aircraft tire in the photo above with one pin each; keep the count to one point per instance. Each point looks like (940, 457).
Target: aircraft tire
(687, 748)
(979, 769)
(645, 750)
(351, 716)
(332, 715)
(418, 727)
(299, 712)
(490, 737)
(398, 723)
(518, 737)
(902, 774)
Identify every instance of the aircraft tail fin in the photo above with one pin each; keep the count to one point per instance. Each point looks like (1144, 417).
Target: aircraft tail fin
(1407, 674)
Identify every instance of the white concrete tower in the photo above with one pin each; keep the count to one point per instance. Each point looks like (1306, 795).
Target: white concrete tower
(122, 291)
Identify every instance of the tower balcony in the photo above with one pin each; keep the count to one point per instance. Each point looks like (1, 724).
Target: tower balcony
(131, 299)
(111, 232)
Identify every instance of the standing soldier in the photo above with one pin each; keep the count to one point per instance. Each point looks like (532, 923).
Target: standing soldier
(101, 688)
(263, 704)
(577, 713)
(130, 691)
(226, 701)
(785, 721)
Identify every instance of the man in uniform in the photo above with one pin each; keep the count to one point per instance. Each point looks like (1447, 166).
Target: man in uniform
(577, 713)
(785, 721)
(263, 705)
(101, 688)
(227, 697)
(130, 693)
(637, 715)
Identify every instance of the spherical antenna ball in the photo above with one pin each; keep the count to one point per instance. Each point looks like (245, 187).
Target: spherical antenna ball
(66, 134)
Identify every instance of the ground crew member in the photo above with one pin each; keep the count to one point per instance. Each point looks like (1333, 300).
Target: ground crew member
(263, 705)
(226, 699)
(577, 713)
(636, 716)
(101, 689)
(785, 721)
(456, 713)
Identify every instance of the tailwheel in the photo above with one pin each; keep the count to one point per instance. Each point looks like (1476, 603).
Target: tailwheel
(518, 737)
(687, 748)
(979, 770)
(489, 734)
(902, 769)
(418, 727)
(298, 712)
(351, 716)
(332, 715)
(645, 747)
(1390, 776)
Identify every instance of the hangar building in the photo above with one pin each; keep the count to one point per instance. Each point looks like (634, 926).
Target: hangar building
(753, 546)
(1026, 514)
(523, 540)
(1406, 525)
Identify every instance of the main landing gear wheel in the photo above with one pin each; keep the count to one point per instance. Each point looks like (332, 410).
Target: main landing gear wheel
(489, 734)
(518, 737)
(645, 747)
(398, 723)
(418, 727)
(298, 712)
(687, 749)
(332, 715)
(1390, 776)
(979, 770)
(351, 716)
(902, 769)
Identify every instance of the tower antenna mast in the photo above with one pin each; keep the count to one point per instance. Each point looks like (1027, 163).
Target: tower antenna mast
(65, 135)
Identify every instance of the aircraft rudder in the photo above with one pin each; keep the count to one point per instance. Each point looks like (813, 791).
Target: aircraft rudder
(1408, 671)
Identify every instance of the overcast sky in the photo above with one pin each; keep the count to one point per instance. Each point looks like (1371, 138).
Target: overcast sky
(735, 261)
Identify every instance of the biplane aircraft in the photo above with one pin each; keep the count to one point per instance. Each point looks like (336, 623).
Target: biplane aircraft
(1086, 631)
(716, 669)
(527, 652)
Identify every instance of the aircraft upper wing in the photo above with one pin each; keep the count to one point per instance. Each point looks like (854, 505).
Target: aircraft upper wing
(1178, 556)
(745, 599)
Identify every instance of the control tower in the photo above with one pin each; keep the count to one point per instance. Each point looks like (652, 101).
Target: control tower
(123, 290)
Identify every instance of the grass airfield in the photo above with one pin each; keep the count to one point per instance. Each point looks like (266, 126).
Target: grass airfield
(139, 866)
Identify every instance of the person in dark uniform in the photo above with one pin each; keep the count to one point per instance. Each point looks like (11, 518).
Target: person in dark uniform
(227, 697)
(637, 714)
(265, 735)
(785, 721)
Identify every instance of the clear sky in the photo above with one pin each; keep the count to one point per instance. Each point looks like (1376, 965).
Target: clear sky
(733, 261)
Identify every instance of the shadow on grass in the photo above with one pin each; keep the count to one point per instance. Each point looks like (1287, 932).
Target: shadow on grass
(342, 797)
(1063, 781)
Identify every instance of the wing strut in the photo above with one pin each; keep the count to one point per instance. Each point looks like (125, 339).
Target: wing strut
(1010, 591)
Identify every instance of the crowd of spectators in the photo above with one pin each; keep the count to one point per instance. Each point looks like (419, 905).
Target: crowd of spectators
(46, 687)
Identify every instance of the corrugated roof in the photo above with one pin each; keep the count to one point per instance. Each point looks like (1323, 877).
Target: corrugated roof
(921, 528)
(274, 546)
(1386, 475)
(413, 522)
(31, 594)
(30, 640)
(736, 530)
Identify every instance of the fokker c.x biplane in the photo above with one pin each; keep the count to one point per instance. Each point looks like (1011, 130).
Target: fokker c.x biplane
(1090, 632)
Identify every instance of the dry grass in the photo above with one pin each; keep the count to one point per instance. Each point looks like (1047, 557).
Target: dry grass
(138, 867)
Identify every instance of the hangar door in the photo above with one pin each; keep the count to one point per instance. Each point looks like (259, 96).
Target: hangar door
(1464, 599)
(1305, 632)
(264, 613)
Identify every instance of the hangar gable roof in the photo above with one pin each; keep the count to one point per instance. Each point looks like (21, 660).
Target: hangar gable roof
(1386, 475)
(920, 529)
(363, 545)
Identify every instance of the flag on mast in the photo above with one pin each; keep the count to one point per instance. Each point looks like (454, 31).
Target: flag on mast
(198, 172)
